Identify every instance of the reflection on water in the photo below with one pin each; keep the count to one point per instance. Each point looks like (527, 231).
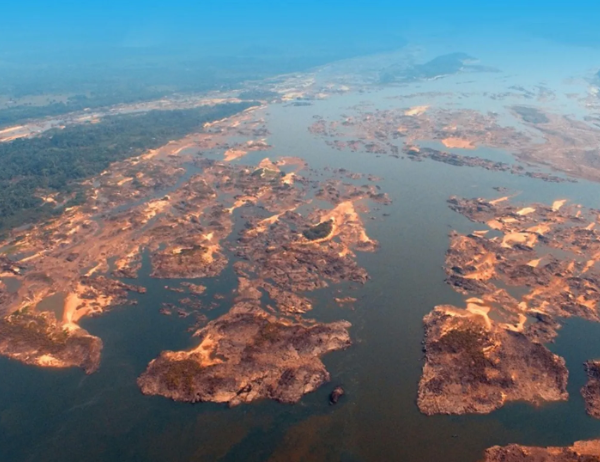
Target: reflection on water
(54, 415)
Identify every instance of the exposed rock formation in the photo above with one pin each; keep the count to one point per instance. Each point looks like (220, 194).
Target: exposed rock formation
(581, 451)
(38, 340)
(246, 355)
(591, 390)
(475, 366)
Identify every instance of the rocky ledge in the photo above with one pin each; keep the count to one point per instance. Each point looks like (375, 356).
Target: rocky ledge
(246, 355)
(581, 451)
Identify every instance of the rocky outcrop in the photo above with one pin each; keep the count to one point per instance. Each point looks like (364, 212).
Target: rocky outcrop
(37, 339)
(581, 451)
(591, 390)
(475, 366)
(336, 394)
(246, 355)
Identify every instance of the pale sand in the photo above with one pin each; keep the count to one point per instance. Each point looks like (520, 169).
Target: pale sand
(588, 448)
(94, 269)
(485, 268)
(75, 308)
(556, 205)
(500, 199)
(478, 307)
(242, 201)
(155, 207)
(292, 95)
(289, 178)
(48, 199)
(11, 129)
(343, 213)
(266, 163)
(535, 263)
(588, 265)
(589, 304)
(416, 110)
(556, 285)
(70, 312)
(528, 239)
(495, 224)
(460, 143)
(49, 361)
(539, 229)
(519, 327)
(263, 224)
(233, 154)
(31, 257)
(202, 353)
(211, 250)
(526, 211)
(480, 233)
(8, 133)
(123, 181)
(122, 262)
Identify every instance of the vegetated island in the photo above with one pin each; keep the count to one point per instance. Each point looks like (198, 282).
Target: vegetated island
(245, 355)
(176, 205)
(41, 176)
(567, 145)
(493, 351)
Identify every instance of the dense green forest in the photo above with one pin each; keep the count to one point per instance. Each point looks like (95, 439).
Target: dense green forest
(56, 161)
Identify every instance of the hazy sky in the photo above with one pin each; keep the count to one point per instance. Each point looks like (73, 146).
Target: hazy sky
(147, 23)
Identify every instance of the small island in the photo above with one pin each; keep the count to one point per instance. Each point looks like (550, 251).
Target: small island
(493, 351)
(581, 451)
(244, 356)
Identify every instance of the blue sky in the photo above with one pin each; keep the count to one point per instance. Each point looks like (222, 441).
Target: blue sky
(148, 23)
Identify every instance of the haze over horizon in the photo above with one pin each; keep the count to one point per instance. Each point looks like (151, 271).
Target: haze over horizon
(270, 231)
(237, 26)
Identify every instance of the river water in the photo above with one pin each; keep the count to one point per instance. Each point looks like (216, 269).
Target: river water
(64, 415)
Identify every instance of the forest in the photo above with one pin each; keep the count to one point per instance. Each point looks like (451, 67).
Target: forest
(58, 160)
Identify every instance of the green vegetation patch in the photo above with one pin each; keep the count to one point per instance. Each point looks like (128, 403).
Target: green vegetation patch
(318, 231)
(468, 344)
(180, 375)
(57, 161)
(35, 331)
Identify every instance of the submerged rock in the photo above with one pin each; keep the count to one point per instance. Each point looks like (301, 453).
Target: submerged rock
(336, 394)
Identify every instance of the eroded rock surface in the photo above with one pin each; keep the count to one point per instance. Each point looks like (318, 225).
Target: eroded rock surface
(493, 351)
(474, 366)
(581, 451)
(37, 339)
(245, 355)
(591, 390)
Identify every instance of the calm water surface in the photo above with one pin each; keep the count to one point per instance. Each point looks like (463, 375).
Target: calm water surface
(50, 415)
